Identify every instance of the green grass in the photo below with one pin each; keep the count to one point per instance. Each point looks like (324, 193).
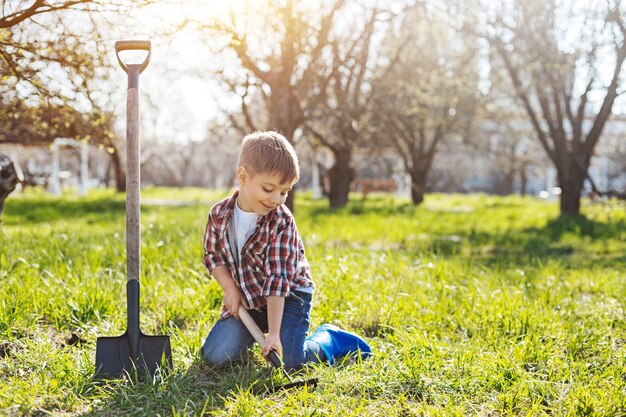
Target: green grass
(474, 305)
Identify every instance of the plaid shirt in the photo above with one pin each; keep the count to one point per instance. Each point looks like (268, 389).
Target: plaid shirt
(272, 260)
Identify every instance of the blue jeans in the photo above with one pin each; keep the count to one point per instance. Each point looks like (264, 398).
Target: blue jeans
(229, 339)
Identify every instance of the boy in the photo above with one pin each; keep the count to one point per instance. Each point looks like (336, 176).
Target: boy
(253, 250)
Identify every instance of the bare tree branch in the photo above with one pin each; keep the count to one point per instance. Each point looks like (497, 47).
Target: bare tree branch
(521, 93)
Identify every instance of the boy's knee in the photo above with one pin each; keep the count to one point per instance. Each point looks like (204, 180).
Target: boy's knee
(214, 356)
(293, 362)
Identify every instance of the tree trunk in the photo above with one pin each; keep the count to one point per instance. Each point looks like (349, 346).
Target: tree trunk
(120, 175)
(523, 176)
(571, 190)
(285, 117)
(418, 185)
(571, 179)
(285, 114)
(503, 185)
(340, 176)
(289, 201)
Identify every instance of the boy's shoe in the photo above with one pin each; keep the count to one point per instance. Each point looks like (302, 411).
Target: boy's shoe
(336, 342)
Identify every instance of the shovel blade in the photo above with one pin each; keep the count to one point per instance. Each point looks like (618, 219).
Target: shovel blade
(113, 357)
(311, 383)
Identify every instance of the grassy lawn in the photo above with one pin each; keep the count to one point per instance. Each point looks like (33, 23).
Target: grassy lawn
(474, 305)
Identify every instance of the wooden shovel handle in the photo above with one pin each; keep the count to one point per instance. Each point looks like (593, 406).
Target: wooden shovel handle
(258, 335)
(133, 175)
(251, 326)
(133, 182)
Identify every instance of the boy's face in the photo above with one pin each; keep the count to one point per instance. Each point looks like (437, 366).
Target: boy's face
(261, 193)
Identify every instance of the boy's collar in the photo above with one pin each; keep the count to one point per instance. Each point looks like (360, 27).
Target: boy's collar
(229, 209)
(230, 204)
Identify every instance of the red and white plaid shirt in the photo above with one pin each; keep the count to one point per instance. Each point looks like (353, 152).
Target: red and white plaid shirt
(272, 260)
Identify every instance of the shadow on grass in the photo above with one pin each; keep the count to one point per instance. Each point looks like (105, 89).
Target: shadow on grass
(20, 211)
(561, 238)
(385, 205)
(578, 239)
(94, 210)
(582, 226)
(199, 390)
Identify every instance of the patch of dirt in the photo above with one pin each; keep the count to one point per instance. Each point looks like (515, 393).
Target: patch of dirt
(6, 350)
(75, 340)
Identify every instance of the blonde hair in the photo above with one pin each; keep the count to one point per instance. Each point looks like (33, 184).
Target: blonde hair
(269, 153)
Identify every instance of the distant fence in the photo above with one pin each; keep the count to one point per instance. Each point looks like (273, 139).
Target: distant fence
(371, 185)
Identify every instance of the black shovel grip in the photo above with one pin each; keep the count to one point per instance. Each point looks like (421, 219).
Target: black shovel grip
(274, 359)
(256, 333)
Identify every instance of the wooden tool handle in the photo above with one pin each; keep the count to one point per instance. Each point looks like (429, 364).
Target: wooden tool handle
(133, 181)
(133, 175)
(251, 326)
(258, 335)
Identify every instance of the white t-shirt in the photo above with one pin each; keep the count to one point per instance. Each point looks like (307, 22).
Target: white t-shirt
(244, 225)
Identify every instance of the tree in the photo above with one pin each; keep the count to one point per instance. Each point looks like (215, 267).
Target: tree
(508, 141)
(44, 62)
(556, 56)
(191, 163)
(50, 70)
(29, 125)
(428, 91)
(278, 46)
(512, 156)
(338, 113)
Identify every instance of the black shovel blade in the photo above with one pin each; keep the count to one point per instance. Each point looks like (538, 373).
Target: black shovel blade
(113, 357)
(311, 383)
(270, 389)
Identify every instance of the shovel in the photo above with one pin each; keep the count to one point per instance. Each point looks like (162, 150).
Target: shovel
(133, 350)
(272, 357)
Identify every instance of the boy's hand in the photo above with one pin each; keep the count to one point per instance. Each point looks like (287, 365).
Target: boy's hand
(275, 307)
(232, 294)
(272, 341)
(232, 299)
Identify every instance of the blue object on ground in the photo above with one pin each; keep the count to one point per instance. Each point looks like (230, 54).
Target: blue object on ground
(337, 343)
